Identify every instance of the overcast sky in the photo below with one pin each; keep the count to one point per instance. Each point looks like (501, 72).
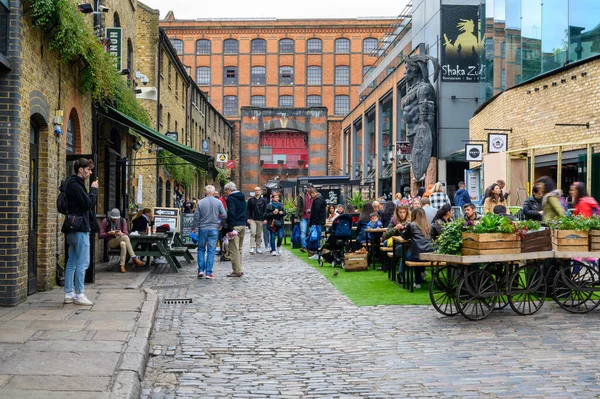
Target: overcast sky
(192, 9)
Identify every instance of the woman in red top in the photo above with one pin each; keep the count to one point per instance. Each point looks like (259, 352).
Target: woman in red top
(584, 204)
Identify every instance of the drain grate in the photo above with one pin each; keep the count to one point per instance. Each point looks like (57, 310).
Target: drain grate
(177, 301)
(169, 286)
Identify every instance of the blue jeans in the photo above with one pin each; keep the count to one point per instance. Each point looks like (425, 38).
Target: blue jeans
(303, 232)
(266, 235)
(78, 262)
(207, 238)
(279, 235)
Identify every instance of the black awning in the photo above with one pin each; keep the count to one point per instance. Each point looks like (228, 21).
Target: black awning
(198, 159)
(324, 180)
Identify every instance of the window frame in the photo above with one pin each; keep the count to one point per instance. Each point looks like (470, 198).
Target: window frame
(227, 108)
(230, 80)
(338, 75)
(177, 45)
(286, 80)
(253, 76)
(286, 97)
(262, 50)
(370, 40)
(199, 82)
(339, 49)
(308, 75)
(263, 103)
(310, 50)
(336, 106)
(287, 50)
(308, 104)
(230, 50)
(199, 41)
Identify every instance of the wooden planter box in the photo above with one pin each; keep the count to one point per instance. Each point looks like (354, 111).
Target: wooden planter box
(595, 240)
(490, 244)
(570, 241)
(355, 262)
(536, 241)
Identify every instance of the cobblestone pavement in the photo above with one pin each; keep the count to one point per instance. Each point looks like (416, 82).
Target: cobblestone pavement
(282, 331)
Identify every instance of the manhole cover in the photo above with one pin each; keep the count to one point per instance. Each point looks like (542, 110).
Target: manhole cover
(176, 301)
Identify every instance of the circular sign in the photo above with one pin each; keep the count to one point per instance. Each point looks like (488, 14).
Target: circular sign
(474, 153)
(498, 143)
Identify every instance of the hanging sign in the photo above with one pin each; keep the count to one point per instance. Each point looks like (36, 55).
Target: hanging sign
(115, 45)
(230, 164)
(204, 145)
(473, 152)
(462, 43)
(497, 142)
(222, 157)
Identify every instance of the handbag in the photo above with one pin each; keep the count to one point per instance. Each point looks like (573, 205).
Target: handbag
(74, 223)
(278, 223)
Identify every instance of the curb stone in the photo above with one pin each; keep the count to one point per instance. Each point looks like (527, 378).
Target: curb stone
(132, 364)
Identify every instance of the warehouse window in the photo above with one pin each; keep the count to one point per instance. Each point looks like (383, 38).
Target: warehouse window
(230, 106)
(202, 46)
(286, 101)
(258, 75)
(370, 45)
(313, 101)
(203, 76)
(342, 75)
(341, 106)
(286, 46)
(286, 75)
(230, 46)
(259, 46)
(258, 101)
(342, 45)
(230, 76)
(314, 46)
(313, 75)
(178, 45)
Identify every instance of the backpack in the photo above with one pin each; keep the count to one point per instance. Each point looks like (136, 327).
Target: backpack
(296, 235)
(61, 202)
(314, 240)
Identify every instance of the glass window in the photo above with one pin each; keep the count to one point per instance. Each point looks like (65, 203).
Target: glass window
(178, 45)
(531, 39)
(230, 46)
(202, 46)
(341, 106)
(259, 46)
(314, 46)
(342, 75)
(4, 15)
(168, 194)
(286, 75)
(230, 106)
(258, 101)
(286, 46)
(258, 75)
(313, 101)
(584, 33)
(71, 135)
(366, 69)
(555, 29)
(342, 46)
(286, 101)
(313, 75)
(370, 45)
(203, 76)
(230, 76)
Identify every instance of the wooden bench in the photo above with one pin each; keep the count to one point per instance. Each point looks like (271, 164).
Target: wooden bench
(181, 251)
(410, 272)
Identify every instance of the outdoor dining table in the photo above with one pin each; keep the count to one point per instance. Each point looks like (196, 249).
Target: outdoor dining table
(157, 245)
(373, 245)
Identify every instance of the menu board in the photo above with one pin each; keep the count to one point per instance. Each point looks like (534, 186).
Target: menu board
(187, 224)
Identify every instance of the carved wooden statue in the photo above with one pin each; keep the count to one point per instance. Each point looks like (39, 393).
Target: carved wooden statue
(419, 111)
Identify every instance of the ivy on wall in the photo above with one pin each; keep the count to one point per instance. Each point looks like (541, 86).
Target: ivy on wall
(184, 174)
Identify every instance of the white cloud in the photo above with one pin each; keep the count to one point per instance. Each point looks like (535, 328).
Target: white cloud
(187, 9)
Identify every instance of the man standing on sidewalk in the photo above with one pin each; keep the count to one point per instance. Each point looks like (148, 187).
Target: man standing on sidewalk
(209, 212)
(80, 221)
(256, 214)
(303, 205)
(318, 213)
(236, 222)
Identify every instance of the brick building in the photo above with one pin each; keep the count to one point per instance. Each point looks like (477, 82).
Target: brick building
(279, 64)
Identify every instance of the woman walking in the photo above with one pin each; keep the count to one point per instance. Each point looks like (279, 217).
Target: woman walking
(274, 214)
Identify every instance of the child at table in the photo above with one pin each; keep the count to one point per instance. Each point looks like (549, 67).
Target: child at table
(375, 223)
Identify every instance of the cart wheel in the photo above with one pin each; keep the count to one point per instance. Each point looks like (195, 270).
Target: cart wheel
(343, 265)
(476, 295)
(527, 290)
(575, 288)
(500, 273)
(320, 260)
(442, 290)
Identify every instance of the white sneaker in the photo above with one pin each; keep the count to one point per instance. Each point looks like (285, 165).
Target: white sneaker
(258, 251)
(424, 274)
(159, 261)
(251, 251)
(81, 299)
(417, 286)
(279, 250)
(274, 253)
(314, 257)
(69, 297)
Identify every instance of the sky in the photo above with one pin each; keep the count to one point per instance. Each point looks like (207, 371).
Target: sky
(192, 9)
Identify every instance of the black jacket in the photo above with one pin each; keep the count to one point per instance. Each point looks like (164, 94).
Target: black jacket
(531, 208)
(236, 210)
(256, 208)
(418, 242)
(81, 203)
(269, 216)
(140, 224)
(318, 211)
(436, 228)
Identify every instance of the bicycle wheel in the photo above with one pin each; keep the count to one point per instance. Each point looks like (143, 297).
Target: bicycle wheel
(442, 290)
(476, 295)
(576, 288)
(527, 290)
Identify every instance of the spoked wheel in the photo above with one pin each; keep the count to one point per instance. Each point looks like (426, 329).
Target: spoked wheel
(442, 290)
(527, 290)
(575, 288)
(500, 272)
(476, 295)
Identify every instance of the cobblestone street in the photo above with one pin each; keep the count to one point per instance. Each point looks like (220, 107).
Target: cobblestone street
(282, 331)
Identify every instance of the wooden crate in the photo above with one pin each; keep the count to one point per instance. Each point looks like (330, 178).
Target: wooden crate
(355, 262)
(595, 240)
(490, 244)
(536, 241)
(570, 241)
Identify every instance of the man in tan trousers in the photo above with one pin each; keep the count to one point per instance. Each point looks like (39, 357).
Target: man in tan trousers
(114, 229)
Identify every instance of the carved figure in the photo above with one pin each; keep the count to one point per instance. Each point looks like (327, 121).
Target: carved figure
(419, 111)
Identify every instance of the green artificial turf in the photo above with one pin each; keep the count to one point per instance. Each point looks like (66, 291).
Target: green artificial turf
(368, 288)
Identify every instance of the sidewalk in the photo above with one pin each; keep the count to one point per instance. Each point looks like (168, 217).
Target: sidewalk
(52, 350)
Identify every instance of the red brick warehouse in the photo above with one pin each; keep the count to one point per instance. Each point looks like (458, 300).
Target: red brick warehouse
(281, 68)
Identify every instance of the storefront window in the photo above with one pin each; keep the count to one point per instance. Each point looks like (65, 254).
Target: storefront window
(555, 29)
(531, 39)
(584, 29)
(385, 126)
(512, 43)
(370, 144)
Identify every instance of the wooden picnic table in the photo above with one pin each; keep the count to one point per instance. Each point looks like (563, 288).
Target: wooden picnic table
(373, 249)
(157, 245)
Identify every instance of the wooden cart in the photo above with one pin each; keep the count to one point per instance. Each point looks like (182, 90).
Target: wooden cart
(576, 284)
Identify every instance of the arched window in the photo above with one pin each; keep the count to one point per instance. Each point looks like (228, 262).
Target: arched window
(286, 75)
(342, 45)
(72, 132)
(370, 45)
(178, 45)
(314, 46)
(342, 75)
(313, 75)
(230, 76)
(116, 20)
(159, 192)
(230, 105)
(202, 46)
(341, 106)
(129, 55)
(203, 76)
(258, 46)
(286, 46)
(313, 101)
(168, 194)
(258, 101)
(258, 76)
(286, 101)
(230, 46)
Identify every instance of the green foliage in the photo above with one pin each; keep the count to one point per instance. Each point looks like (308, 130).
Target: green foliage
(183, 174)
(70, 33)
(529, 225)
(491, 223)
(357, 201)
(571, 223)
(222, 176)
(450, 241)
(289, 205)
(594, 223)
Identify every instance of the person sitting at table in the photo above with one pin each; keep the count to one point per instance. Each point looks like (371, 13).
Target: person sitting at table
(416, 203)
(388, 213)
(361, 224)
(417, 232)
(142, 220)
(339, 209)
(500, 210)
(443, 216)
(114, 230)
(398, 223)
(471, 214)
(495, 197)
(330, 213)
(374, 223)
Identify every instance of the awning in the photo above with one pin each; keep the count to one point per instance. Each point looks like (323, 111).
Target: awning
(198, 159)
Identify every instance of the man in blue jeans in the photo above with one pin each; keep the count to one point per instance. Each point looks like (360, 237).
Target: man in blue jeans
(303, 205)
(207, 220)
(80, 221)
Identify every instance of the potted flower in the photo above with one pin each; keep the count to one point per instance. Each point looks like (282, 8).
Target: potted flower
(492, 235)
(570, 234)
(534, 237)
(594, 227)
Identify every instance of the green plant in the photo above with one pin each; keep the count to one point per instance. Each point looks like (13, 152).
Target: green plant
(450, 241)
(222, 176)
(289, 205)
(491, 223)
(529, 225)
(357, 201)
(594, 223)
(571, 223)
(183, 174)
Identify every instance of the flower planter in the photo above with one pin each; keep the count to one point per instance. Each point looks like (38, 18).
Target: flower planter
(536, 241)
(570, 240)
(490, 244)
(595, 240)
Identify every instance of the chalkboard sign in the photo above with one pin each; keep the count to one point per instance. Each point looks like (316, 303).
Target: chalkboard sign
(332, 196)
(187, 224)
